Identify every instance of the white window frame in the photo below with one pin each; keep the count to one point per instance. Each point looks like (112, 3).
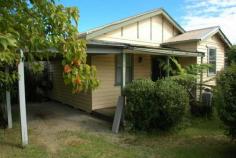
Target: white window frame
(210, 60)
(118, 69)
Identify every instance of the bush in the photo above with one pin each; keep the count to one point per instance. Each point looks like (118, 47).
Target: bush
(225, 99)
(231, 53)
(152, 106)
(140, 94)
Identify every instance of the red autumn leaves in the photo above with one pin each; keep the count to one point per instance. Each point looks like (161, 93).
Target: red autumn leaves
(68, 69)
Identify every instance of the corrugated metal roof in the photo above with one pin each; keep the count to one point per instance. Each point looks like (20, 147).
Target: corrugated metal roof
(192, 35)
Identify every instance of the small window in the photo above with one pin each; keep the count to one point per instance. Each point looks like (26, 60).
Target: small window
(212, 61)
(226, 62)
(118, 69)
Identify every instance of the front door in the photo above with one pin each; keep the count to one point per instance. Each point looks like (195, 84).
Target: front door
(158, 67)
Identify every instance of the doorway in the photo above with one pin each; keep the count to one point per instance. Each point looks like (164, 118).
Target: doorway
(159, 67)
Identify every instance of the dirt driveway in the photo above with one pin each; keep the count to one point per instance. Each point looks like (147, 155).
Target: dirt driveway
(47, 119)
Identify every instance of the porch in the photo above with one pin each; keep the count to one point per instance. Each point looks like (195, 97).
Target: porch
(141, 54)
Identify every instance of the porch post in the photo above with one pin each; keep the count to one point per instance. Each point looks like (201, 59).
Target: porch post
(123, 86)
(123, 71)
(119, 114)
(8, 104)
(168, 65)
(21, 85)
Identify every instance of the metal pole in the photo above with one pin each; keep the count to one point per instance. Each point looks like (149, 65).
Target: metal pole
(23, 119)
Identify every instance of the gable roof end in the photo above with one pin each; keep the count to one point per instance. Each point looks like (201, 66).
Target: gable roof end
(198, 35)
(130, 20)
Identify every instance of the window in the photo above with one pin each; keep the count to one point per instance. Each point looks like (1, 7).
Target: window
(118, 69)
(212, 61)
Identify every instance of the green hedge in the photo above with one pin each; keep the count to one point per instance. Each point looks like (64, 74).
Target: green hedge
(225, 99)
(154, 105)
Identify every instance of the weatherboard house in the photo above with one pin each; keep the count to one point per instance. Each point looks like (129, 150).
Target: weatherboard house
(127, 49)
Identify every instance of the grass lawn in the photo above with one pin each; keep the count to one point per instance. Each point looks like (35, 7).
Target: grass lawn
(201, 139)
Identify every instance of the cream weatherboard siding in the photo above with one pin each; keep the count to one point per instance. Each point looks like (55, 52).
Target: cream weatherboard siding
(63, 93)
(152, 31)
(107, 93)
(142, 70)
(185, 61)
(188, 46)
(212, 42)
(202, 46)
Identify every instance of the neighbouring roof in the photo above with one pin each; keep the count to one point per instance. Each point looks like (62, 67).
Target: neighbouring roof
(198, 35)
(130, 20)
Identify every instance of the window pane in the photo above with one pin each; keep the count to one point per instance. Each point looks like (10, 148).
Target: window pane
(118, 69)
(128, 60)
(212, 61)
(128, 74)
(118, 60)
(212, 70)
(118, 75)
(212, 54)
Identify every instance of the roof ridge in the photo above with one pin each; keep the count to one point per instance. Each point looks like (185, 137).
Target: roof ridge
(211, 27)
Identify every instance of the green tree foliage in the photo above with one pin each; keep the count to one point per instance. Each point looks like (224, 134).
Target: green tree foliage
(188, 76)
(225, 98)
(7, 57)
(231, 53)
(40, 28)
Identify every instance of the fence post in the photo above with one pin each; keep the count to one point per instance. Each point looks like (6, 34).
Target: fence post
(8, 105)
(21, 84)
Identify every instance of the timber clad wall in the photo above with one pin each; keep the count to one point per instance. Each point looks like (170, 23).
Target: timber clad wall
(63, 93)
(212, 42)
(107, 93)
(188, 46)
(142, 70)
(185, 61)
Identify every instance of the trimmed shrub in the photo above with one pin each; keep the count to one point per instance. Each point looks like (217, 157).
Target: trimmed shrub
(171, 104)
(225, 99)
(151, 106)
(140, 104)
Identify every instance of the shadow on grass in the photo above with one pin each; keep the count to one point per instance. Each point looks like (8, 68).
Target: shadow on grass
(200, 151)
(10, 144)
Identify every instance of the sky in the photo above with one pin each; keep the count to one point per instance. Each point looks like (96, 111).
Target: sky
(190, 14)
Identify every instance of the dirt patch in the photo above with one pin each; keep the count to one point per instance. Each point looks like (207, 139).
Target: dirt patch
(50, 118)
(74, 141)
